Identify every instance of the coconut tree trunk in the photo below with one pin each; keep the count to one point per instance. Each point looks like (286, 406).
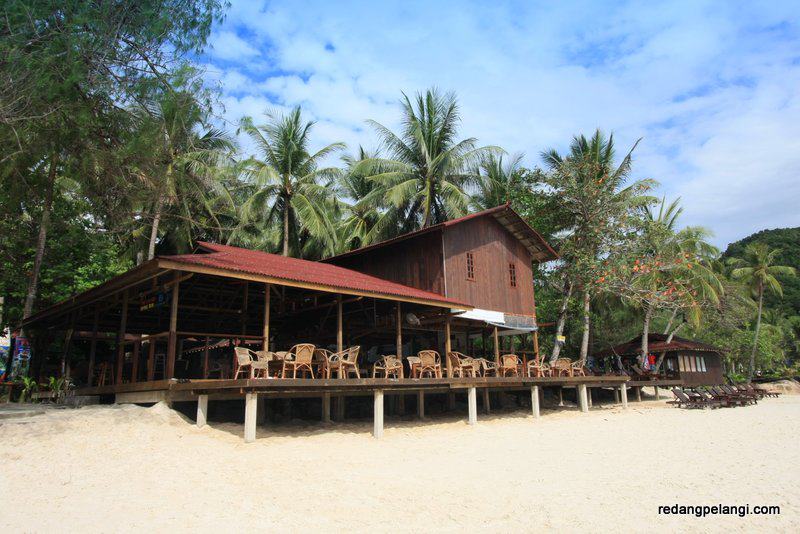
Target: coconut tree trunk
(648, 316)
(662, 355)
(758, 330)
(562, 319)
(159, 208)
(586, 326)
(286, 227)
(41, 241)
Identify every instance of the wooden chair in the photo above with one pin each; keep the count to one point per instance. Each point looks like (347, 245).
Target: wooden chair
(485, 367)
(247, 360)
(414, 364)
(509, 364)
(388, 365)
(350, 363)
(430, 363)
(561, 367)
(461, 365)
(577, 369)
(538, 370)
(321, 360)
(302, 357)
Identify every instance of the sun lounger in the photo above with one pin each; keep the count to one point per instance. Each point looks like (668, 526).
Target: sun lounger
(751, 397)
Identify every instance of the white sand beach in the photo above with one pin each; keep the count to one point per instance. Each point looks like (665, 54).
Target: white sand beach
(130, 468)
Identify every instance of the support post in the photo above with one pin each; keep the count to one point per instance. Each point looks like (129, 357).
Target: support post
(447, 346)
(623, 392)
(202, 410)
(472, 402)
(137, 348)
(421, 404)
(616, 396)
(151, 360)
(589, 395)
(169, 371)
(377, 429)
(339, 329)
(582, 398)
(496, 346)
(326, 407)
(250, 412)
(487, 408)
(205, 357)
(658, 395)
(401, 401)
(123, 325)
(535, 401)
(638, 393)
(265, 329)
(93, 347)
(340, 408)
(560, 396)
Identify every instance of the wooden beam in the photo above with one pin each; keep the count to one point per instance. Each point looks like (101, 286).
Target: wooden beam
(447, 346)
(205, 357)
(137, 345)
(151, 360)
(265, 324)
(496, 345)
(173, 328)
(93, 347)
(399, 334)
(339, 328)
(123, 324)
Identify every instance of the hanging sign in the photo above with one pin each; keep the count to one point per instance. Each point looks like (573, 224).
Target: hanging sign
(157, 300)
(561, 339)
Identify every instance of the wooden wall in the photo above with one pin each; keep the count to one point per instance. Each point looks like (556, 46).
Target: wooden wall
(493, 249)
(712, 375)
(415, 262)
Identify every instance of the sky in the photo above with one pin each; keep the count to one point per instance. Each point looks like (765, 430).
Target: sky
(711, 88)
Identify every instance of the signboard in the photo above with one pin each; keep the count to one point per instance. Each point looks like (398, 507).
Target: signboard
(157, 300)
(561, 339)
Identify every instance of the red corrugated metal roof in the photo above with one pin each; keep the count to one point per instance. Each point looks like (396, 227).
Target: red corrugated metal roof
(310, 272)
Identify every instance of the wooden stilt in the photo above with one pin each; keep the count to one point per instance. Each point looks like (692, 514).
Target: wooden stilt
(589, 395)
(401, 401)
(656, 392)
(339, 328)
(250, 412)
(623, 392)
(472, 402)
(560, 396)
(421, 404)
(451, 401)
(261, 413)
(487, 408)
(377, 429)
(340, 407)
(205, 357)
(202, 410)
(151, 359)
(123, 326)
(535, 401)
(638, 393)
(137, 348)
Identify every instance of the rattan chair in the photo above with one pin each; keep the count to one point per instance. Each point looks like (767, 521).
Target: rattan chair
(577, 369)
(561, 367)
(349, 362)
(509, 365)
(247, 360)
(413, 366)
(302, 360)
(388, 365)
(461, 365)
(485, 367)
(540, 369)
(430, 363)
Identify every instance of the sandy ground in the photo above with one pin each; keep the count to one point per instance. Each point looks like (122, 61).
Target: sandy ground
(119, 469)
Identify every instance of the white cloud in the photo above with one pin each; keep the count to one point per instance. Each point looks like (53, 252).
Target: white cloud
(711, 87)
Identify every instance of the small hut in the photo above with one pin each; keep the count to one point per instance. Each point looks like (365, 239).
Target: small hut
(692, 362)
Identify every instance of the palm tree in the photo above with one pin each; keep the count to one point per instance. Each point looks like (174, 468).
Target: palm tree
(758, 272)
(180, 161)
(289, 192)
(424, 178)
(589, 187)
(496, 181)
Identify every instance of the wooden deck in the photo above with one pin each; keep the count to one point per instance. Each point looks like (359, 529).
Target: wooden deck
(315, 387)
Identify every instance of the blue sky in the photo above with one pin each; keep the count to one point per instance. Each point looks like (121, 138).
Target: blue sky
(713, 88)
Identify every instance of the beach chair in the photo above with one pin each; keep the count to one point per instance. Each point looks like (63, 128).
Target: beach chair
(301, 358)
(388, 365)
(509, 365)
(430, 363)
(751, 397)
(461, 365)
(577, 369)
(692, 400)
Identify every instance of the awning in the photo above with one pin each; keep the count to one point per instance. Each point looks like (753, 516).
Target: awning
(517, 324)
